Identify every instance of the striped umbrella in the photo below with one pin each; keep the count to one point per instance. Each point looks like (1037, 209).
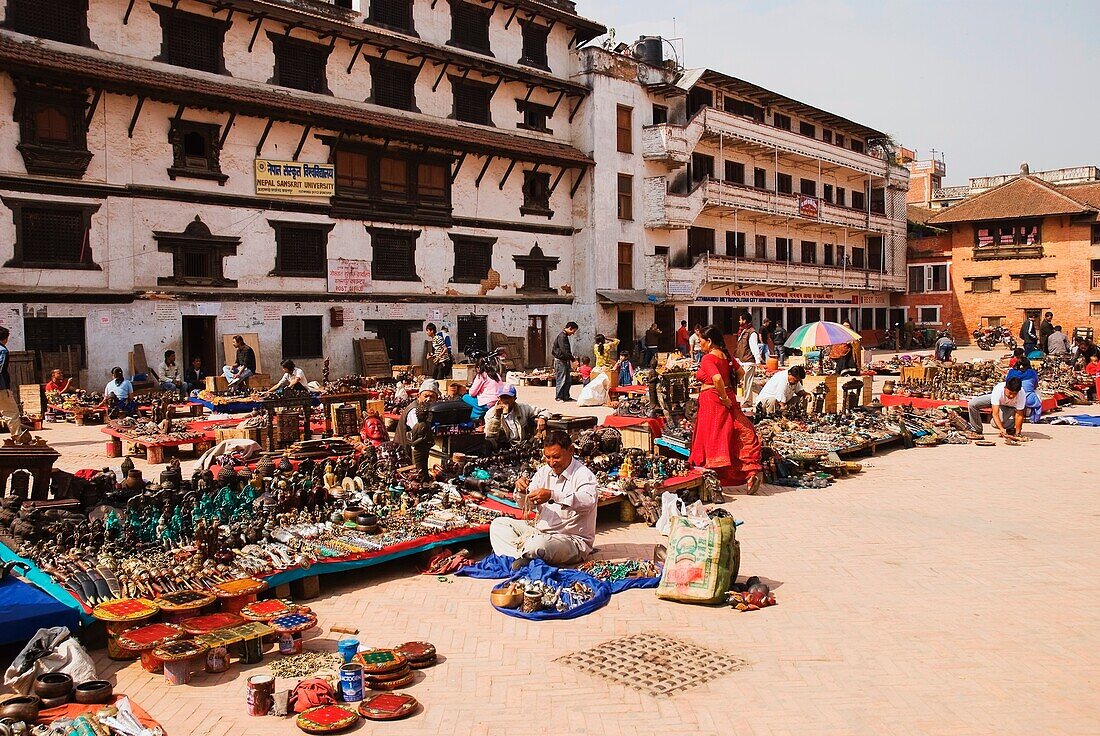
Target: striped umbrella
(820, 334)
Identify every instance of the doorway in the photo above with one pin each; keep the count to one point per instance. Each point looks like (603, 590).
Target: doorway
(397, 334)
(536, 340)
(200, 339)
(698, 316)
(665, 317)
(624, 330)
(725, 319)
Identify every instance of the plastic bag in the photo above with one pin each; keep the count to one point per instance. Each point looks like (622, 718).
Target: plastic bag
(49, 650)
(671, 506)
(595, 391)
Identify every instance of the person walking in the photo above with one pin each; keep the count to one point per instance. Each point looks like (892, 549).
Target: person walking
(442, 357)
(562, 351)
(724, 441)
(747, 354)
(1046, 329)
(695, 344)
(9, 407)
(682, 338)
(779, 337)
(1029, 334)
(652, 344)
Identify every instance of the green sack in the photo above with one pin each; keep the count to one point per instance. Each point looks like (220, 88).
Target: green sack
(701, 563)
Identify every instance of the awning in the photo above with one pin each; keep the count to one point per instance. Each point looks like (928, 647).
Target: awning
(627, 296)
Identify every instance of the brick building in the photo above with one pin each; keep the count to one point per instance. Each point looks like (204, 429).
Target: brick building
(929, 298)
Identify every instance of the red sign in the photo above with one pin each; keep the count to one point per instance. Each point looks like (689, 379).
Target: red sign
(809, 206)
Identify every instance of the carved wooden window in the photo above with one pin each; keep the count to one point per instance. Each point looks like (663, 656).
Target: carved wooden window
(536, 193)
(393, 177)
(395, 185)
(300, 64)
(197, 256)
(393, 85)
(535, 116)
(58, 20)
(626, 266)
(301, 249)
(624, 129)
(51, 235)
(352, 171)
(394, 254)
(196, 151)
(191, 41)
(535, 39)
(52, 132)
(55, 335)
(432, 181)
(470, 27)
(302, 337)
(472, 101)
(396, 14)
(473, 258)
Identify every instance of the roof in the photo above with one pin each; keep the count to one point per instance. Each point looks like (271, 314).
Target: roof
(918, 214)
(1088, 194)
(1024, 196)
(70, 65)
(767, 98)
(627, 296)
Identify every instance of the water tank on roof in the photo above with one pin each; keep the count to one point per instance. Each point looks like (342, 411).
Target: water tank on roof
(650, 50)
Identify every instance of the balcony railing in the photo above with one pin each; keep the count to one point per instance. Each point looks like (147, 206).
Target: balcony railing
(738, 270)
(673, 144)
(1095, 280)
(1006, 252)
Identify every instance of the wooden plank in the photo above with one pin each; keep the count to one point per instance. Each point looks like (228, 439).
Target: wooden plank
(21, 367)
(251, 339)
(373, 357)
(32, 398)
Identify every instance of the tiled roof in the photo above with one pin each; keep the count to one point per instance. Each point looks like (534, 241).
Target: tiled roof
(1088, 194)
(119, 74)
(1025, 196)
(918, 214)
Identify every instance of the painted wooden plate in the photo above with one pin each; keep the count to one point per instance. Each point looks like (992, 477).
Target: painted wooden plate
(390, 676)
(184, 600)
(265, 610)
(388, 706)
(380, 661)
(394, 685)
(210, 622)
(125, 609)
(149, 637)
(327, 719)
(177, 650)
(417, 651)
(292, 623)
(238, 587)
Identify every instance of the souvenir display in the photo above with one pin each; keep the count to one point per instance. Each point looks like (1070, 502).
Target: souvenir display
(145, 639)
(265, 610)
(327, 719)
(122, 614)
(387, 706)
(380, 661)
(178, 657)
(180, 604)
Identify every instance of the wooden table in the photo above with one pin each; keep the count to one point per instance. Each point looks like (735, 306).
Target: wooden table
(154, 449)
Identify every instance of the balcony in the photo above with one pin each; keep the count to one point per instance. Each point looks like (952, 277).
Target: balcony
(745, 271)
(1007, 252)
(672, 145)
(668, 211)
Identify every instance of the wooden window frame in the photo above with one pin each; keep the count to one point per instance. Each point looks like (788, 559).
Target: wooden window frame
(759, 178)
(660, 114)
(807, 187)
(624, 136)
(282, 228)
(533, 33)
(382, 66)
(461, 6)
(701, 240)
(781, 121)
(625, 266)
(469, 250)
(1045, 279)
(300, 351)
(19, 208)
(624, 199)
(807, 129)
(197, 238)
(859, 200)
(16, 7)
(784, 183)
(702, 167)
(784, 245)
(535, 183)
(877, 244)
(415, 207)
(460, 86)
(408, 28)
(736, 244)
(52, 158)
(171, 19)
(523, 107)
(760, 248)
(178, 131)
(808, 247)
(284, 48)
(974, 281)
(1094, 235)
(411, 237)
(828, 254)
(841, 197)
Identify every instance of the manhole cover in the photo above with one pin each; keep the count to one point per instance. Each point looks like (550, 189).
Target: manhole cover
(653, 663)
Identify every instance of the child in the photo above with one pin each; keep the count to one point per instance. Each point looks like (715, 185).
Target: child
(585, 370)
(625, 369)
(1093, 369)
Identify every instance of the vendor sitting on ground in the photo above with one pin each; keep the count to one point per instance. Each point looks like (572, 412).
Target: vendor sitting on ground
(58, 384)
(413, 431)
(564, 493)
(243, 365)
(509, 421)
(1093, 370)
(1009, 407)
(294, 378)
(783, 391)
(169, 373)
(484, 390)
(122, 392)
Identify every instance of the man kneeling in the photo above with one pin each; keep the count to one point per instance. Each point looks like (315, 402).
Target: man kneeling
(564, 493)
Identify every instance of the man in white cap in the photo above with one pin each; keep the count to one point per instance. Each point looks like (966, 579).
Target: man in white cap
(413, 433)
(509, 421)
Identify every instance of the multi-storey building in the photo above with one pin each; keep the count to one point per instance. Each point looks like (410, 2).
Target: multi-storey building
(730, 197)
(160, 166)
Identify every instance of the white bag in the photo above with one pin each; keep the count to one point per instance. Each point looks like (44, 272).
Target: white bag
(672, 505)
(595, 391)
(49, 650)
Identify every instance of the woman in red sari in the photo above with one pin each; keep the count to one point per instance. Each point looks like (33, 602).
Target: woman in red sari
(725, 440)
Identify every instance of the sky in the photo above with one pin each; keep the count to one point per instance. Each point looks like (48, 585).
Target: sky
(990, 84)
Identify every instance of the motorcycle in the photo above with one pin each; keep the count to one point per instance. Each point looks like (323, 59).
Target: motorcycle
(988, 338)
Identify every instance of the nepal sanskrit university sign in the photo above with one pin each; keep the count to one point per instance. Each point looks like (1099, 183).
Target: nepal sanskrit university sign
(294, 179)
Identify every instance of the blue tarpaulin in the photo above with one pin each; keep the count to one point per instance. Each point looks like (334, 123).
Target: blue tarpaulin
(24, 609)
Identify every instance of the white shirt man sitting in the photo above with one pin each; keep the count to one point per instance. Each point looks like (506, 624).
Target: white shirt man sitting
(781, 389)
(564, 493)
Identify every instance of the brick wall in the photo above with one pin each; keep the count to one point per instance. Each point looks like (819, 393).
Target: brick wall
(929, 250)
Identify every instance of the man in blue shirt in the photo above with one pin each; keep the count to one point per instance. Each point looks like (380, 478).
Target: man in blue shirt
(9, 407)
(122, 390)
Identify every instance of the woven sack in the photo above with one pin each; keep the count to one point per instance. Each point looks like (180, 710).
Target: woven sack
(701, 562)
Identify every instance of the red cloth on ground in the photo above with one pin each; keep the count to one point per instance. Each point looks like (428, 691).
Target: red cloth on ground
(725, 441)
(72, 710)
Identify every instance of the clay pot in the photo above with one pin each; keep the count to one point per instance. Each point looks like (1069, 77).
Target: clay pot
(21, 708)
(94, 692)
(350, 514)
(53, 685)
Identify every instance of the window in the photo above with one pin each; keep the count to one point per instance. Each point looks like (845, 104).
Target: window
(928, 315)
(1095, 273)
(1096, 234)
(536, 193)
(1030, 283)
(302, 337)
(735, 244)
(626, 265)
(839, 140)
(783, 184)
(700, 241)
(534, 45)
(981, 284)
(760, 178)
(393, 254)
(660, 114)
(1094, 311)
(432, 182)
(782, 249)
(807, 187)
(857, 146)
(741, 107)
(535, 116)
(197, 256)
(393, 85)
(840, 196)
(809, 251)
(761, 251)
(393, 177)
(473, 333)
(470, 27)
(46, 335)
(624, 129)
(473, 258)
(698, 98)
(1007, 233)
(928, 279)
(300, 64)
(396, 14)
(196, 149)
(191, 41)
(783, 122)
(807, 129)
(735, 172)
(49, 235)
(58, 20)
(875, 253)
(857, 258)
(626, 197)
(826, 135)
(702, 167)
(301, 249)
(827, 193)
(400, 186)
(878, 200)
(827, 256)
(472, 101)
(859, 201)
(52, 136)
(351, 170)
(992, 321)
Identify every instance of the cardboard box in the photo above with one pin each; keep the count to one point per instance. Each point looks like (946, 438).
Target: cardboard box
(638, 436)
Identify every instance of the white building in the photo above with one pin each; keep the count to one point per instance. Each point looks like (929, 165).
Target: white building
(132, 211)
(731, 197)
